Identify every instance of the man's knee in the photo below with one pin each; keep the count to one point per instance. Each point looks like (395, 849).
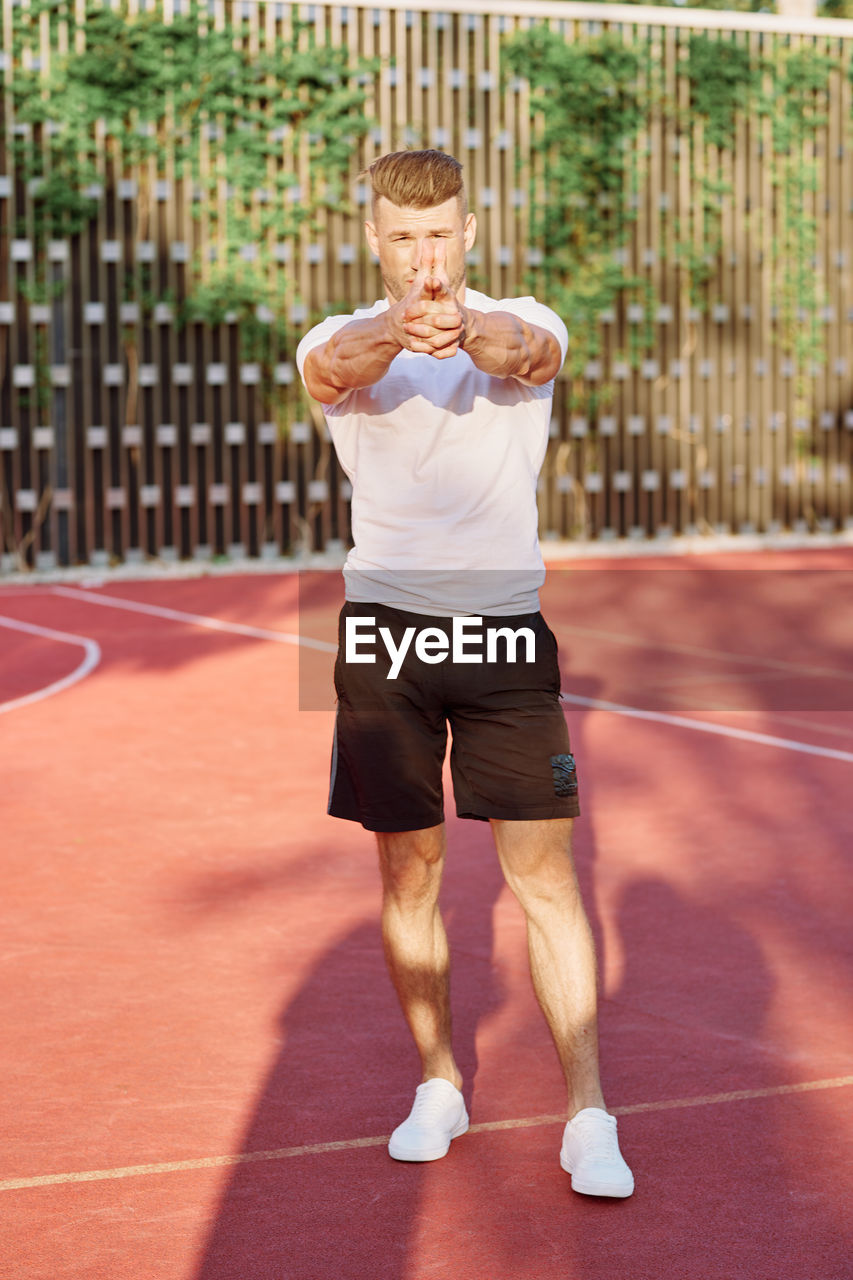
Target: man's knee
(537, 863)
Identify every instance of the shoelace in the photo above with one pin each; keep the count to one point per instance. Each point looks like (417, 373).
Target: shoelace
(429, 1104)
(593, 1132)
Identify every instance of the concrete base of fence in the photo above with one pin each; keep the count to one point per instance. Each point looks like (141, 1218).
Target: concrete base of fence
(554, 552)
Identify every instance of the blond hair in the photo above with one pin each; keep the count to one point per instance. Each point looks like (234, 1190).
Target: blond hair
(417, 180)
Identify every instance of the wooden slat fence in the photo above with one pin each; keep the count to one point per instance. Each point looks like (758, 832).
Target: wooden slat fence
(124, 435)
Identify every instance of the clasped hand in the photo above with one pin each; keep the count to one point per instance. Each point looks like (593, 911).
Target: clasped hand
(431, 316)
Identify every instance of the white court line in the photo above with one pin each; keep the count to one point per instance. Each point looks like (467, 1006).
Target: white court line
(354, 1144)
(703, 726)
(718, 655)
(195, 619)
(91, 660)
(285, 637)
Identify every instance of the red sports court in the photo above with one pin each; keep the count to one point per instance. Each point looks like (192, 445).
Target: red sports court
(202, 1053)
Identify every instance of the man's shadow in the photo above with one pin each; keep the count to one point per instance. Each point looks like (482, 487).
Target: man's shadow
(347, 1070)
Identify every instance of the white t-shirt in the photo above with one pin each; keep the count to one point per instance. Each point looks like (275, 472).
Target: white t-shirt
(443, 460)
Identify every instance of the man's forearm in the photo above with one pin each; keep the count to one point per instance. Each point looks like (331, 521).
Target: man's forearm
(356, 356)
(505, 346)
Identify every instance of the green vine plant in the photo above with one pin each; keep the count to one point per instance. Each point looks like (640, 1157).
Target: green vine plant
(723, 84)
(580, 215)
(589, 102)
(230, 120)
(797, 107)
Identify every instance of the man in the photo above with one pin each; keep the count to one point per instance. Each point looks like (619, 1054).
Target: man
(438, 399)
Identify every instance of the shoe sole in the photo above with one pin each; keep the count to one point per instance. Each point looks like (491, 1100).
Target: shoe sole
(613, 1191)
(421, 1157)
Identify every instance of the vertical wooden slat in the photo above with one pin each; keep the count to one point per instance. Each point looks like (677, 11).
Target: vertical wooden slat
(213, 337)
(319, 508)
(680, 361)
(710, 391)
(432, 93)
(200, 425)
(785, 381)
(414, 133)
(747, 314)
(8, 220)
(489, 197)
(273, 539)
(7, 294)
(764, 354)
(843, 274)
(44, 533)
(383, 45)
(724, 421)
(771, 204)
(698, 417)
(654, 269)
(23, 351)
(663, 212)
(830, 434)
(400, 80)
(170, 232)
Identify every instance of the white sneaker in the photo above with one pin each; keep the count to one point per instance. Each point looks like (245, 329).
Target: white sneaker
(437, 1117)
(590, 1153)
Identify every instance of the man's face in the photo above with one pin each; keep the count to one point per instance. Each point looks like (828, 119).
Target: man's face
(399, 238)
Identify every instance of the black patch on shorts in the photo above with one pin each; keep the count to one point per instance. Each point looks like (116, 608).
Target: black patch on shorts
(565, 775)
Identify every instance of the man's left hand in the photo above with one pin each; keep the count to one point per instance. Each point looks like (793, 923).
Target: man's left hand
(434, 321)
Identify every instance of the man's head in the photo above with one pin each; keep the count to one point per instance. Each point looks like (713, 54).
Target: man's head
(418, 198)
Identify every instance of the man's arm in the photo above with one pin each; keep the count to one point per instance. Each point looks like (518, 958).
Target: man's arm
(499, 342)
(356, 356)
(360, 353)
(504, 345)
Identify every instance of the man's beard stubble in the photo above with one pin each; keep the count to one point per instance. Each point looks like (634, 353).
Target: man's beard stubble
(396, 287)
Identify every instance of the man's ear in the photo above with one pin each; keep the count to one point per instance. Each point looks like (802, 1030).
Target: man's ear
(470, 231)
(372, 237)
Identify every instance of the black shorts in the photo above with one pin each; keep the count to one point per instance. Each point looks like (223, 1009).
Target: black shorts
(510, 755)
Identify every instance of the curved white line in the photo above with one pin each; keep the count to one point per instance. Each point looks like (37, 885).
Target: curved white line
(91, 660)
(196, 619)
(703, 726)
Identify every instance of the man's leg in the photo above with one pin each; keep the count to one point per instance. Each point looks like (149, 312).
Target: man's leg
(419, 963)
(415, 942)
(537, 863)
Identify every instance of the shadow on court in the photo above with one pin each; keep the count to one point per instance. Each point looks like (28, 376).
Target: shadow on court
(346, 1056)
(721, 1190)
(692, 1005)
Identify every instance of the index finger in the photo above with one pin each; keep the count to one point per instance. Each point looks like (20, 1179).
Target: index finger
(439, 255)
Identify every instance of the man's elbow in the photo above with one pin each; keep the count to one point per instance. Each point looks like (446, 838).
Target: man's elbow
(321, 391)
(547, 366)
(550, 362)
(318, 384)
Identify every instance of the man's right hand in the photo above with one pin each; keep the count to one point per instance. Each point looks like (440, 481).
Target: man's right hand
(429, 319)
